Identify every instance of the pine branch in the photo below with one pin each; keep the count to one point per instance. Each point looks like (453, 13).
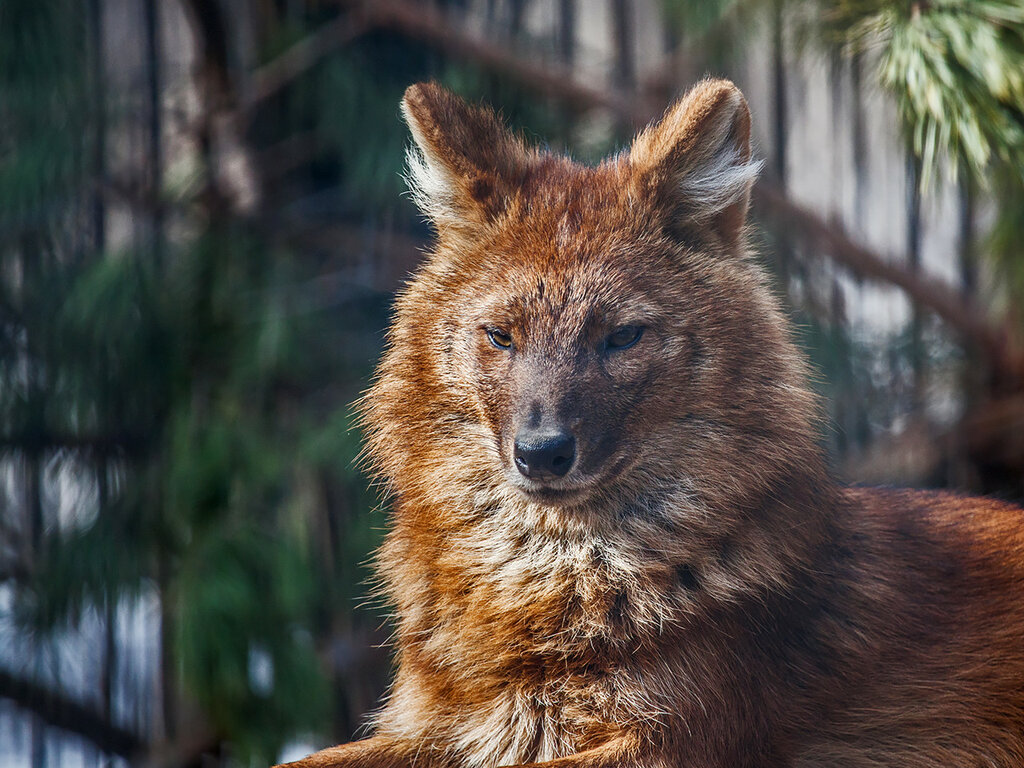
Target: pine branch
(430, 26)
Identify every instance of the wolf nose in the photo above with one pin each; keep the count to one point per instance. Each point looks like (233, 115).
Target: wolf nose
(545, 455)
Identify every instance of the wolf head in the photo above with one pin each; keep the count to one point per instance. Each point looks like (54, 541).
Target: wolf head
(587, 340)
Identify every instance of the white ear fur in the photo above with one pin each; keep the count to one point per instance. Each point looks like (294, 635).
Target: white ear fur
(431, 185)
(698, 157)
(463, 163)
(719, 181)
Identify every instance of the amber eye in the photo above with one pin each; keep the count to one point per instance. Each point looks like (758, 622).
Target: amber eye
(624, 337)
(499, 338)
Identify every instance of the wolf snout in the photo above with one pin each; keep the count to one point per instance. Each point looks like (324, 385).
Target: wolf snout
(544, 455)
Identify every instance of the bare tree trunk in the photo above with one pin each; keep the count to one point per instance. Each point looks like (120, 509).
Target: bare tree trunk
(913, 247)
(108, 672)
(99, 164)
(780, 133)
(567, 31)
(961, 471)
(35, 538)
(153, 84)
(625, 49)
(516, 15)
(566, 44)
(967, 236)
(168, 676)
(780, 104)
(99, 148)
(859, 138)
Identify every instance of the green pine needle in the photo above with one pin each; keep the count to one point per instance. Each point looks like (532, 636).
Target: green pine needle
(955, 69)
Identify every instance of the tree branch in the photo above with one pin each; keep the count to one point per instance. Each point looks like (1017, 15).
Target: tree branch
(29, 441)
(427, 24)
(829, 238)
(302, 56)
(62, 712)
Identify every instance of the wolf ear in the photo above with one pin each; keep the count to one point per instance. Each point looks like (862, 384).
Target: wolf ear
(696, 161)
(464, 164)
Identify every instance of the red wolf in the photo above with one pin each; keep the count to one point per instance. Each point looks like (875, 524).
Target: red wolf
(615, 542)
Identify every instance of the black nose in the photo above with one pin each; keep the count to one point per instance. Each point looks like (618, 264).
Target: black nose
(540, 456)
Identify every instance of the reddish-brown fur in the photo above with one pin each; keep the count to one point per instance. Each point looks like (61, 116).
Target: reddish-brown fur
(696, 591)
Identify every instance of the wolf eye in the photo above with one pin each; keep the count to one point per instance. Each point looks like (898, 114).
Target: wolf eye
(624, 337)
(499, 338)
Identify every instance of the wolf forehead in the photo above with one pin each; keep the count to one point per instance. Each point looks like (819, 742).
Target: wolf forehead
(531, 279)
(562, 214)
(555, 212)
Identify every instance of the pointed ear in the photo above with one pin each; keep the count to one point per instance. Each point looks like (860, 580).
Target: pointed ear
(464, 164)
(696, 161)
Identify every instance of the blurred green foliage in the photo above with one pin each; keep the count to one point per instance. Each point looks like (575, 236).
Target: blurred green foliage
(198, 393)
(204, 395)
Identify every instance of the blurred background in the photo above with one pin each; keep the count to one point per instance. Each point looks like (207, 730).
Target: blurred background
(202, 226)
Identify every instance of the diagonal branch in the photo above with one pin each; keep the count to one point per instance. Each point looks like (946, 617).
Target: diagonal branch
(273, 76)
(430, 26)
(62, 712)
(829, 238)
(103, 444)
